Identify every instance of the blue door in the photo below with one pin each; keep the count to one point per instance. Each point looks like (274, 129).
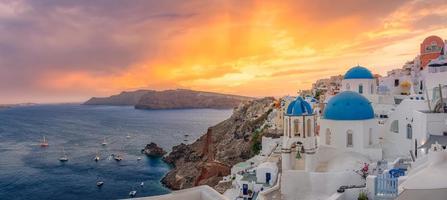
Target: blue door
(268, 177)
(244, 189)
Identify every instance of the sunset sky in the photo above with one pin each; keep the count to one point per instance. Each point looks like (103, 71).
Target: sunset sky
(68, 51)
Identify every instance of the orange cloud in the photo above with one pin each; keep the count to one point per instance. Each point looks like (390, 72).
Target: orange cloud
(256, 48)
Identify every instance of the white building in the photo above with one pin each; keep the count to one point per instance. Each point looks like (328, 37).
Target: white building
(267, 172)
(348, 125)
(361, 80)
(299, 131)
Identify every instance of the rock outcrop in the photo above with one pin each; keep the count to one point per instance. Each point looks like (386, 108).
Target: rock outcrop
(170, 99)
(211, 157)
(153, 150)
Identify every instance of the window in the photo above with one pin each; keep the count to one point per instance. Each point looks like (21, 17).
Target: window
(349, 139)
(296, 127)
(371, 89)
(394, 126)
(409, 131)
(328, 137)
(361, 89)
(370, 136)
(348, 86)
(309, 128)
(396, 82)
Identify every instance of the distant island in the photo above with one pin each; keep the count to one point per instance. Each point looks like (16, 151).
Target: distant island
(170, 99)
(16, 105)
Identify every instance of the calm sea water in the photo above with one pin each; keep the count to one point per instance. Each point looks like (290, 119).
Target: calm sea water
(28, 171)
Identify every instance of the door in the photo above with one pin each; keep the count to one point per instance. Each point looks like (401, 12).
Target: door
(244, 189)
(268, 177)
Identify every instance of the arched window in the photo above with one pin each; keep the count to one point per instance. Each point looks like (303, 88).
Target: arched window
(296, 127)
(309, 128)
(394, 126)
(370, 136)
(348, 86)
(349, 139)
(409, 131)
(372, 89)
(361, 89)
(328, 137)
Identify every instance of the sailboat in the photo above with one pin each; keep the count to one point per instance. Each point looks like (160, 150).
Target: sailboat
(64, 157)
(104, 143)
(44, 142)
(97, 157)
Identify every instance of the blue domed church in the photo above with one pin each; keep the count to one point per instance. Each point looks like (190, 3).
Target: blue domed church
(359, 79)
(348, 124)
(299, 131)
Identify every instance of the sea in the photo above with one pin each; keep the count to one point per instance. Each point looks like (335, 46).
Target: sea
(29, 171)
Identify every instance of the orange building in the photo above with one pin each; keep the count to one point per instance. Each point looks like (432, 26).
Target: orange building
(430, 49)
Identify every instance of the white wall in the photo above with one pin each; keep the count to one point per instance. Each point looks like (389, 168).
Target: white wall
(361, 136)
(368, 84)
(428, 123)
(397, 144)
(302, 185)
(265, 168)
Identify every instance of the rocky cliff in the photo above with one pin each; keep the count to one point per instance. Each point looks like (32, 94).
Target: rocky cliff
(170, 99)
(211, 157)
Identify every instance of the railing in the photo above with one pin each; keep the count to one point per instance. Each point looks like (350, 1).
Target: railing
(386, 186)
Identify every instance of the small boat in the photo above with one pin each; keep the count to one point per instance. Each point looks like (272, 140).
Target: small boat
(132, 193)
(139, 158)
(104, 143)
(128, 136)
(64, 157)
(99, 183)
(96, 157)
(142, 184)
(44, 142)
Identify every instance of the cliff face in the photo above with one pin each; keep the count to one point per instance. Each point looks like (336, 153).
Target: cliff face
(122, 99)
(174, 99)
(170, 99)
(211, 157)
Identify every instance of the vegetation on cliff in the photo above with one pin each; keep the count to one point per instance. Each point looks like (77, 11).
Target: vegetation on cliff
(211, 157)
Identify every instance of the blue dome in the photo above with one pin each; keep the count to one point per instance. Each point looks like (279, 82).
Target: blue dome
(299, 107)
(348, 105)
(358, 72)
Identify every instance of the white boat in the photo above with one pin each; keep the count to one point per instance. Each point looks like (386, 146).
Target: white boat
(104, 143)
(64, 157)
(96, 157)
(142, 184)
(132, 193)
(99, 183)
(128, 136)
(44, 142)
(139, 158)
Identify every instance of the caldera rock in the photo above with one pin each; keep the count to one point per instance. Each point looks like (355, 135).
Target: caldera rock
(153, 150)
